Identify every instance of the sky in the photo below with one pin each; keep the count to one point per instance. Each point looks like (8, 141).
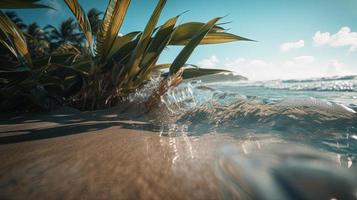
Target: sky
(296, 39)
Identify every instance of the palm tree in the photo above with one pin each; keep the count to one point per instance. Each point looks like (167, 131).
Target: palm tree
(95, 20)
(37, 40)
(66, 34)
(108, 66)
(34, 30)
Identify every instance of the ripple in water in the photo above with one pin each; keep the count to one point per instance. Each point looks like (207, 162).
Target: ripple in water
(283, 171)
(316, 149)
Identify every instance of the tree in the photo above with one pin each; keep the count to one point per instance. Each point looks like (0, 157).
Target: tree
(37, 40)
(95, 20)
(66, 34)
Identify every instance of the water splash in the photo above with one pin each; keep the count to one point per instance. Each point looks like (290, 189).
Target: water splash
(141, 95)
(258, 125)
(180, 99)
(196, 108)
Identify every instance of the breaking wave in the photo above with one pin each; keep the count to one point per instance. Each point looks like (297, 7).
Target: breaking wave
(200, 109)
(285, 136)
(345, 83)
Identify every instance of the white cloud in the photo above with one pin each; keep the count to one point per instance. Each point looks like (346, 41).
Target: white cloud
(304, 59)
(321, 38)
(209, 62)
(294, 68)
(343, 38)
(299, 62)
(335, 67)
(292, 45)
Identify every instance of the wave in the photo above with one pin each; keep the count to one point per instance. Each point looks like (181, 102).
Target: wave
(229, 111)
(282, 117)
(323, 125)
(204, 109)
(335, 78)
(272, 155)
(338, 84)
(198, 109)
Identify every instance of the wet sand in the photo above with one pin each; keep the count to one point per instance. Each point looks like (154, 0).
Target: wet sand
(100, 155)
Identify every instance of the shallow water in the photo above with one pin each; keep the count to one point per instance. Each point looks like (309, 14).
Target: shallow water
(312, 123)
(242, 140)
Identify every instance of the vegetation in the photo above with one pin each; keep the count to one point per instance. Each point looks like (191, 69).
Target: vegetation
(87, 63)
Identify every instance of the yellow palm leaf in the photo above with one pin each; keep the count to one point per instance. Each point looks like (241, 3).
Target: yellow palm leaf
(16, 37)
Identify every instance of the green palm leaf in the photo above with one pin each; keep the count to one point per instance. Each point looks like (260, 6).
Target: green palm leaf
(197, 72)
(121, 59)
(214, 38)
(108, 32)
(216, 35)
(120, 41)
(189, 73)
(134, 64)
(82, 19)
(157, 45)
(186, 31)
(161, 66)
(186, 52)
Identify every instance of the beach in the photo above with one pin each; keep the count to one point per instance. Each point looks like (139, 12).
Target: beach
(68, 154)
(58, 156)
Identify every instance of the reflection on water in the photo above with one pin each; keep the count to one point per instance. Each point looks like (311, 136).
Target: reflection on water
(293, 139)
(283, 171)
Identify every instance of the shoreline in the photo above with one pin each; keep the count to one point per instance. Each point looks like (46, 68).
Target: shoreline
(106, 155)
(46, 159)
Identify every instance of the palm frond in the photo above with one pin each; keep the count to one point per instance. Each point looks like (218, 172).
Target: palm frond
(157, 45)
(134, 64)
(120, 41)
(15, 37)
(6, 42)
(214, 38)
(186, 52)
(216, 35)
(108, 32)
(82, 19)
(198, 72)
(186, 31)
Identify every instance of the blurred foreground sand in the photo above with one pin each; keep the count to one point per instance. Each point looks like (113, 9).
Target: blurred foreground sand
(100, 155)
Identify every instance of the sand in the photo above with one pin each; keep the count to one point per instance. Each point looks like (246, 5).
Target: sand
(100, 155)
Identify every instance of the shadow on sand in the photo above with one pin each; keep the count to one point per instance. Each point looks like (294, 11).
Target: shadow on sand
(67, 121)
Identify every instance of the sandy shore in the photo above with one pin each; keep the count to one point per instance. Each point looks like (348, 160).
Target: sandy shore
(100, 155)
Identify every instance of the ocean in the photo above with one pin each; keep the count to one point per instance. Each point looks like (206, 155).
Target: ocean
(291, 132)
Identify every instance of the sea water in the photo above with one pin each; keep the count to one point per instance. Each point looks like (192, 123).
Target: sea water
(298, 137)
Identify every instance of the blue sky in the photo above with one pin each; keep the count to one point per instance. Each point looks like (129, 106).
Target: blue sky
(296, 39)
